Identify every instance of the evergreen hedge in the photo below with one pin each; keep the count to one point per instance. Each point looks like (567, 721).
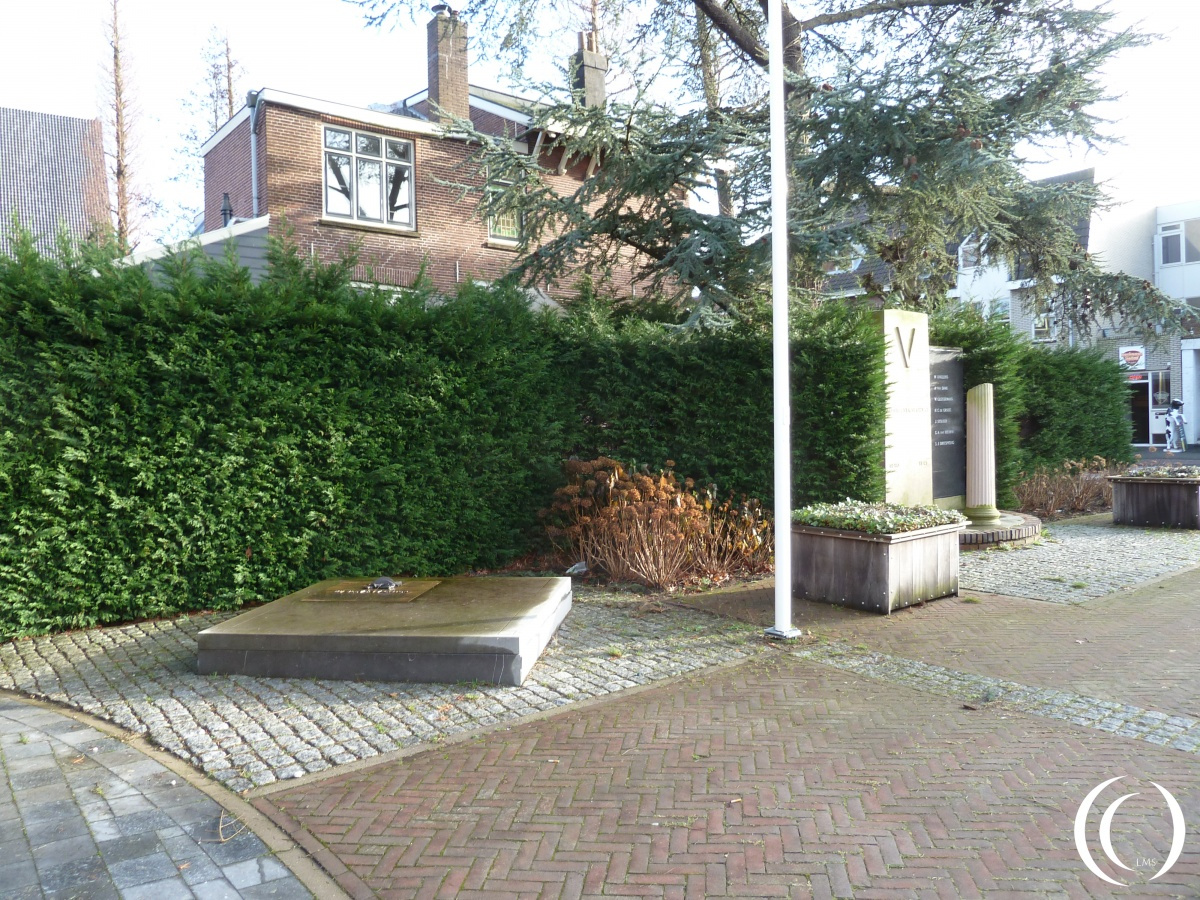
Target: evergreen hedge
(1076, 407)
(704, 399)
(208, 443)
(195, 441)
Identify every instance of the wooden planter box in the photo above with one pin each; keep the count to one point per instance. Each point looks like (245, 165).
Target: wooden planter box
(875, 572)
(1160, 502)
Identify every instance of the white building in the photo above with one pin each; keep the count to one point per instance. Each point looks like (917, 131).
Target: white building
(1157, 244)
(1177, 272)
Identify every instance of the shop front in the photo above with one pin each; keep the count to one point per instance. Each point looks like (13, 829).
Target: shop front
(1149, 401)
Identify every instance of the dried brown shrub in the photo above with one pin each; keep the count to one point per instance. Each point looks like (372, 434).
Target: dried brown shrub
(1077, 486)
(653, 529)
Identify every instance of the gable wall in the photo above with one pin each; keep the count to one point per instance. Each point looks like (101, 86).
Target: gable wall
(227, 171)
(451, 239)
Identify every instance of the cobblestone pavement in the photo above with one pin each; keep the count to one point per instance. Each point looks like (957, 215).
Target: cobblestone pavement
(1080, 561)
(778, 777)
(83, 815)
(247, 731)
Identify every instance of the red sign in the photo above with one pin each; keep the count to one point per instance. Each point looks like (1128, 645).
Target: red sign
(1138, 376)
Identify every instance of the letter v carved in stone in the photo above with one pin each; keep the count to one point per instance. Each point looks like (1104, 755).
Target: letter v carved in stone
(906, 353)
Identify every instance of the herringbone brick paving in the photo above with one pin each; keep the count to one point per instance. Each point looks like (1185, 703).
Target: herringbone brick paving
(776, 778)
(1140, 647)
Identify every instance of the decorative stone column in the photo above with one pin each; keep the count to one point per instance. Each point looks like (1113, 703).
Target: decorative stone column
(981, 458)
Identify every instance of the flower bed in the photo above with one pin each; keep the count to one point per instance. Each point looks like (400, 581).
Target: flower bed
(874, 556)
(1163, 472)
(875, 518)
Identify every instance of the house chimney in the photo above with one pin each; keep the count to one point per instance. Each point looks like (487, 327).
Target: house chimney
(587, 70)
(448, 63)
(226, 210)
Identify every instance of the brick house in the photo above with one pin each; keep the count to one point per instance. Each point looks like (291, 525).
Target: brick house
(387, 180)
(51, 176)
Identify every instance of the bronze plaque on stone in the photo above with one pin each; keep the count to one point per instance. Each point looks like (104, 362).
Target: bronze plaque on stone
(354, 590)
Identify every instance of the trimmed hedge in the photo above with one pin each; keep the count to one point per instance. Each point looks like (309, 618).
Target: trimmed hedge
(704, 400)
(1076, 407)
(199, 442)
(210, 443)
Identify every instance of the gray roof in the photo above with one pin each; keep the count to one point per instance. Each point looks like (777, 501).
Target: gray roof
(51, 172)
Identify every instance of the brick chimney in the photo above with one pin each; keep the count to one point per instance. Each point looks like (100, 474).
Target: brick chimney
(587, 70)
(448, 63)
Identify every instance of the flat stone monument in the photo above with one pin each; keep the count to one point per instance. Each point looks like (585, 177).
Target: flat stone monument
(490, 630)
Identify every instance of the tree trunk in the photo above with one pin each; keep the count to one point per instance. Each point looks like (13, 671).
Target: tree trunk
(120, 122)
(709, 77)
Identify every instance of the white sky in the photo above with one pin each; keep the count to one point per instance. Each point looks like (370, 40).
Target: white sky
(55, 50)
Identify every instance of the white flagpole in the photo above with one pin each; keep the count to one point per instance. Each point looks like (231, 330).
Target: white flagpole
(779, 337)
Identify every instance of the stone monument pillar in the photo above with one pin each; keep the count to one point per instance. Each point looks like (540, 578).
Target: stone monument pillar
(981, 458)
(908, 456)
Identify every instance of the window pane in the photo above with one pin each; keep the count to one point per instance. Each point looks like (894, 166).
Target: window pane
(368, 189)
(399, 150)
(336, 139)
(399, 195)
(1170, 249)
(367, 145)
(1191, 240)
(337, 184)
(506, 226)
(969, 256)
(1160, 388)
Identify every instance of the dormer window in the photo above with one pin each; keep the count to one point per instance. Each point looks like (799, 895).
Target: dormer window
(369, 178)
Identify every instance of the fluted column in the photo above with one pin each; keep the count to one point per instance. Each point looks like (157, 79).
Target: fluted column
(981, 457)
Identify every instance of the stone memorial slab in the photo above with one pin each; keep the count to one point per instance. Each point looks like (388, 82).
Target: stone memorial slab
(907, 459)
(947, 398)
(490, 630)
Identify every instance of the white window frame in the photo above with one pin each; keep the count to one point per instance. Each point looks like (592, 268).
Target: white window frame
(1172, 229)
(975, 241)
(355, 215)
(1043, 322)
(1180, 230)
(494, 236)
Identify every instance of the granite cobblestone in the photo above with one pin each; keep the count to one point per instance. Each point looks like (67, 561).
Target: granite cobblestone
(248, 732)
(1077, 562)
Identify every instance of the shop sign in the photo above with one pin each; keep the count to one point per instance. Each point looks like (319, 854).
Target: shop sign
(1138, 378)
(1132, 357)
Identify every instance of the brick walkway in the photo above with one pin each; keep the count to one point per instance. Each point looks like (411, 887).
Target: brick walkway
(775, 778)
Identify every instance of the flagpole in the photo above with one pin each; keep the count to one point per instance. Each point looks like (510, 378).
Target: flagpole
(780, 357)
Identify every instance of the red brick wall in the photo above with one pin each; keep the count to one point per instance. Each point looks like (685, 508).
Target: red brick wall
(227, 171)
(451, 240)
(95, 182)
(447, 40)
(490, 123)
